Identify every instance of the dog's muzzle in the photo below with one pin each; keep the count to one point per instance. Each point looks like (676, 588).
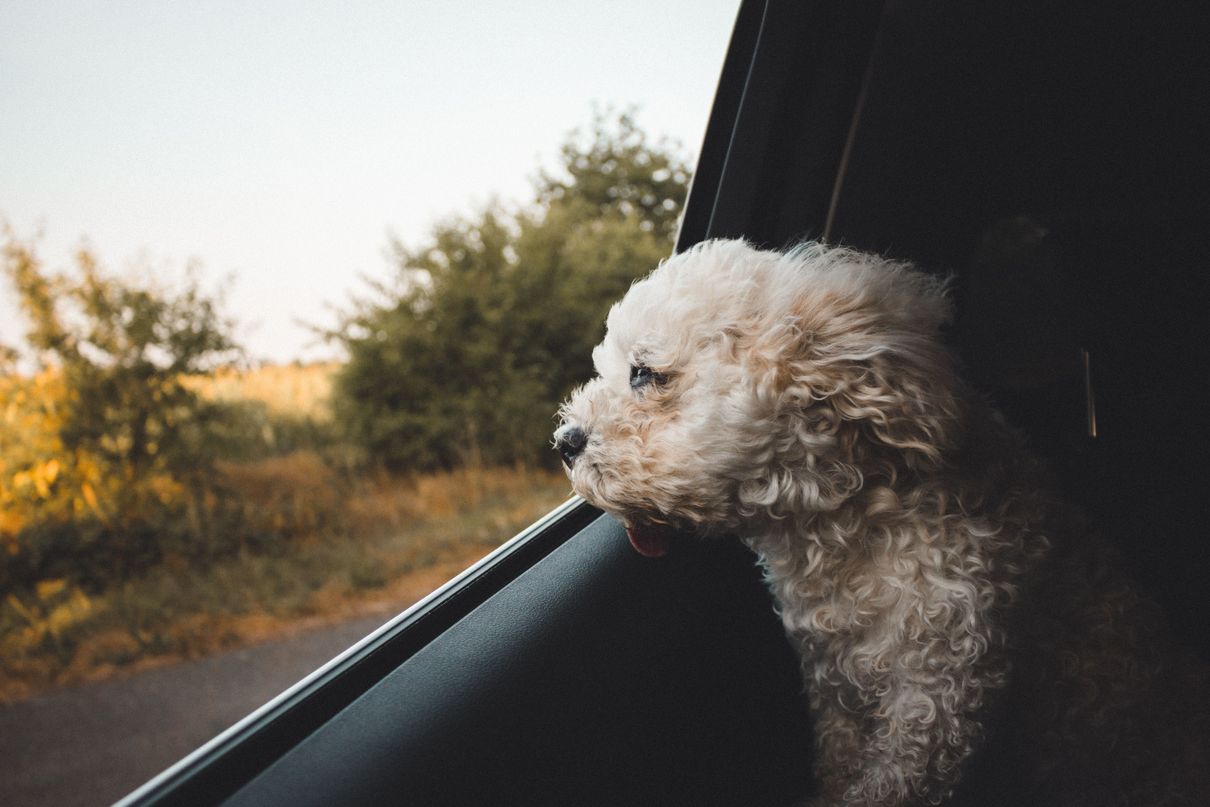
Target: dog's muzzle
(569, 442)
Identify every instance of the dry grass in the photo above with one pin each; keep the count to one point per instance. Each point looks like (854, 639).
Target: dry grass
(372, 545)
(293, 390)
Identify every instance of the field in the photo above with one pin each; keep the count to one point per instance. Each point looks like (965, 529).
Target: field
(344, 543)
(292, 390)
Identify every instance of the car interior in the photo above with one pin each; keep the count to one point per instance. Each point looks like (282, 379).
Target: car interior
(1048, 158)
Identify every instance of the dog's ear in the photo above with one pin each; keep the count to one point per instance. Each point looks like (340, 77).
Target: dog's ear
(870, 371)
(903, 401)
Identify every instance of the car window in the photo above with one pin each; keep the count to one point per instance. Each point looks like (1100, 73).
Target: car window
(290, 297)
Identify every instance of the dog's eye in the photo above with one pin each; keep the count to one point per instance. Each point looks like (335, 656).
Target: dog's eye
(641, 376)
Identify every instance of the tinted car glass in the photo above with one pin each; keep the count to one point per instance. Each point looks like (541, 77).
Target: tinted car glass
(1052, 160)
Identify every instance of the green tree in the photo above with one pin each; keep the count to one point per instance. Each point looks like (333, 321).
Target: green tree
(613, 171)
(425, 352)
(107, 446)
(464, 356)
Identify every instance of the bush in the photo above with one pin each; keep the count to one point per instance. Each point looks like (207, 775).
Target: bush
(107, 455)
(464, 358)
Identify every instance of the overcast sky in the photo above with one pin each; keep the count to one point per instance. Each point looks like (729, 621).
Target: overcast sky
(280, 142)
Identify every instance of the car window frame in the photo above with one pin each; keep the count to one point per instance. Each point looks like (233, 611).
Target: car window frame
(744, 142)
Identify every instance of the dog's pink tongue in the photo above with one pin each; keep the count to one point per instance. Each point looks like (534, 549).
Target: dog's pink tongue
(650, 540)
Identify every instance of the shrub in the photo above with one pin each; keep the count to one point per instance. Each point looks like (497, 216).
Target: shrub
(465, 356)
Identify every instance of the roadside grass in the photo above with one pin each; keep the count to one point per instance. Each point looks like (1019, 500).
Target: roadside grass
(345, 547)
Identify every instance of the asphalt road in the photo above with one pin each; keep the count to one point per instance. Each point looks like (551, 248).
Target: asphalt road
(93, 744)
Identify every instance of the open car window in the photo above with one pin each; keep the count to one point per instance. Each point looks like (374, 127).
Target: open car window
(287, 300)
(564, 668)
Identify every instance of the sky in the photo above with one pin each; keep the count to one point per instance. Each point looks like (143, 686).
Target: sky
(281, 144)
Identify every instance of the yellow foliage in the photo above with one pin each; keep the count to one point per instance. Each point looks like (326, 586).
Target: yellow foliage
(10, 524)
(90, 498)
(76, 609)
(166, 489)
(58, 610)
(40, 479)
(35, 468)
(46, 589)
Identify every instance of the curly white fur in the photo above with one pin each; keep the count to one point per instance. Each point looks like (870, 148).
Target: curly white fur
(805, 402)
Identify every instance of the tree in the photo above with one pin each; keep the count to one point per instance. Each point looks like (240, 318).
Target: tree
(613, 172)
(465, 355)
(424, 354)
(107, 436)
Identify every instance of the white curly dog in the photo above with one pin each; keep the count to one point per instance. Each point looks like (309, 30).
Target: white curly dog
(805, 402)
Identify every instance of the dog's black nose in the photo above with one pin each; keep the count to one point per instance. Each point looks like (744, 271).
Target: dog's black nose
(569, 442)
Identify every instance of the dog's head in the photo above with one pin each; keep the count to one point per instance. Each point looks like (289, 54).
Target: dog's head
(737, 386)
